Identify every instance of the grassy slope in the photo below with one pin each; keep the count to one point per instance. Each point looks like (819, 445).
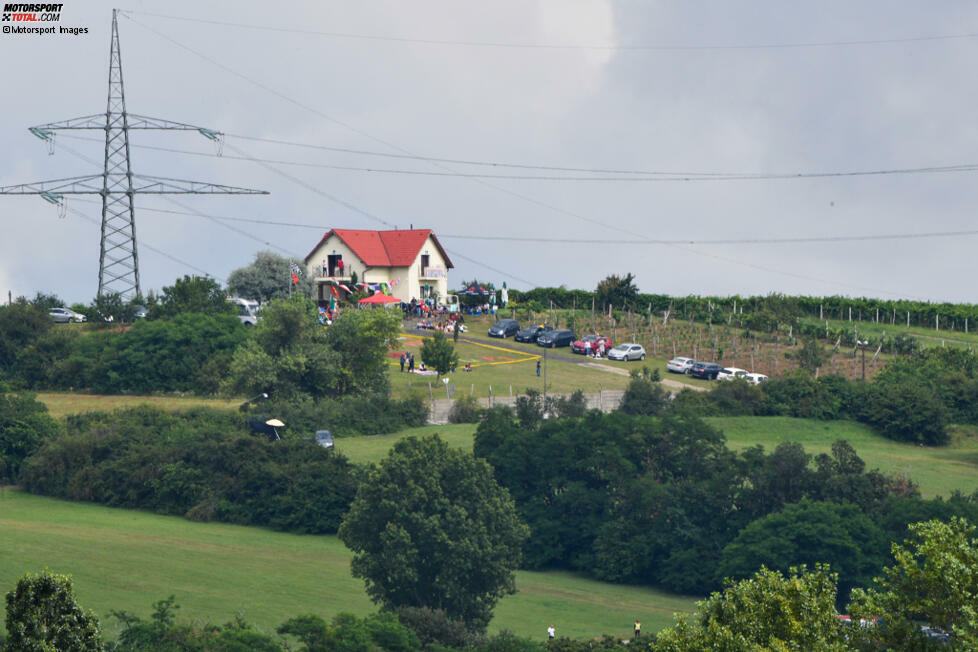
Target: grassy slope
(61, 405)
(939, 471)
(124, 559)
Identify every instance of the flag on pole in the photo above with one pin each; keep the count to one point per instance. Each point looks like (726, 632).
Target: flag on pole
(296, 273)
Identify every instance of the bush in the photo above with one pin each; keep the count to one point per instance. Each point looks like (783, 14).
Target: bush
(348, 415)
(24, 426)
(200, 464)
(906, 411)
(644, 397)
(466, 409)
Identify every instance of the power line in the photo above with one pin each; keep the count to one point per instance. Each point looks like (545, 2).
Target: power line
(474, 179)
(662, 176)
(143, 244)
(732, 241)
(580, 46)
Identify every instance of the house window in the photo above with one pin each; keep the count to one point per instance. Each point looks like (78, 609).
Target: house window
(425, 259)
(335, 266)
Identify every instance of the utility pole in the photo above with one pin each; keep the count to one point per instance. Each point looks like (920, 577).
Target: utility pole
(118, 258)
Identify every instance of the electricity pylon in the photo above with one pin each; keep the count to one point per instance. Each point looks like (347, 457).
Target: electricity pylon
(118, 269)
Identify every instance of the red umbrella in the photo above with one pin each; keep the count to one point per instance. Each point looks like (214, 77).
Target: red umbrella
(379, 298)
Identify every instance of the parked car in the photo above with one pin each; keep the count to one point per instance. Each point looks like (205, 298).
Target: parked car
(65, 315)
(732, 373)
(555, 338)
(596, 342)
(504, 328)
(531, 333)
(755, 379)
(140, 312)
(680, 365)
(705, 370)
(247, 310)
(627, 351)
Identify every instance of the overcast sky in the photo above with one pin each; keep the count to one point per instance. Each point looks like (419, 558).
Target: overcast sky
(443, 83)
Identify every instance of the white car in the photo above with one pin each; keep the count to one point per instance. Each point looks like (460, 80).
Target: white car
(64, 315)
(732, 373)
(680, 365)
(755, 379)
(627, 352)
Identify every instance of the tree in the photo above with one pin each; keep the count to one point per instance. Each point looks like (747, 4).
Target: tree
(431, 528)
(24, 426)
(644, 396)
(362, 339)
(811, 356)
(906, 410)
(807, 533)
(769, 611)
(288, 355)
(934, 579)
(21, 324)
(192, 294)
(439, 354)
(617, 290)
(43, 616)
(268, 277)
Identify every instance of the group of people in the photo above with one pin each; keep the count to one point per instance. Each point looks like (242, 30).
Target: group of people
(407, 359)
(596, 352)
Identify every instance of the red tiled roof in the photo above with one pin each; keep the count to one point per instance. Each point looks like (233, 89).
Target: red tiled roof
(384, 248)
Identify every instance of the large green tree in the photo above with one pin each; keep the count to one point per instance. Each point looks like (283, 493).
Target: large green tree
(617, 291)
(807, 533)
(430, 527)
(43, 616)
(934, 580)
(439, 354)
(268, 277)
(24, 426)
(768, 611)
(192, 294)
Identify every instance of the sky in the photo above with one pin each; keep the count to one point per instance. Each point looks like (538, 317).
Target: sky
(703, 91)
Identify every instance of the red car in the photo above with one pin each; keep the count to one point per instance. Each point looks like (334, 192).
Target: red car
(596, 342)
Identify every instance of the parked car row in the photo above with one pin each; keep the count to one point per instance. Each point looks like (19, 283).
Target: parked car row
(712, 371)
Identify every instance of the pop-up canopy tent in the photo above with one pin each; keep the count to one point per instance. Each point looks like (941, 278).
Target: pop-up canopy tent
(378, 299)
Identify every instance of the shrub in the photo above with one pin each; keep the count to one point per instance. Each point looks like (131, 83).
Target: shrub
(466, 409)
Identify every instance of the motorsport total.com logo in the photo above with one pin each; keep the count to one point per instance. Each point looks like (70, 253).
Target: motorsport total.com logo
(29, 13)
(25, 14)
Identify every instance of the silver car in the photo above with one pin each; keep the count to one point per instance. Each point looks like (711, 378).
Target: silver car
(626, 352)
(65, 315)
(680, 365)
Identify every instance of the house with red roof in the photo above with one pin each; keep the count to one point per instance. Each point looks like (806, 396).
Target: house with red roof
(411, 262)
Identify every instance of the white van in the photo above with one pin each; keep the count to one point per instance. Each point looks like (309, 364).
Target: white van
(247, 310)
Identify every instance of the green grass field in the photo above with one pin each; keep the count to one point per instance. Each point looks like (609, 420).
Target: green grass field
(126, 560)
(500, 369)
(61, 405)
(939, 471)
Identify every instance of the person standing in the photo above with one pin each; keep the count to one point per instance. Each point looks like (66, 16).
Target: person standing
(587, 348)
(551, 633)
(638, 629)
(403, 360)
(538, 367)
(410, 362)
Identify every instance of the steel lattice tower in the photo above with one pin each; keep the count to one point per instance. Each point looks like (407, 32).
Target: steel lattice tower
(118, 258)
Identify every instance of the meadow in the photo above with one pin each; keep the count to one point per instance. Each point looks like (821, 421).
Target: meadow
(127, 560)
